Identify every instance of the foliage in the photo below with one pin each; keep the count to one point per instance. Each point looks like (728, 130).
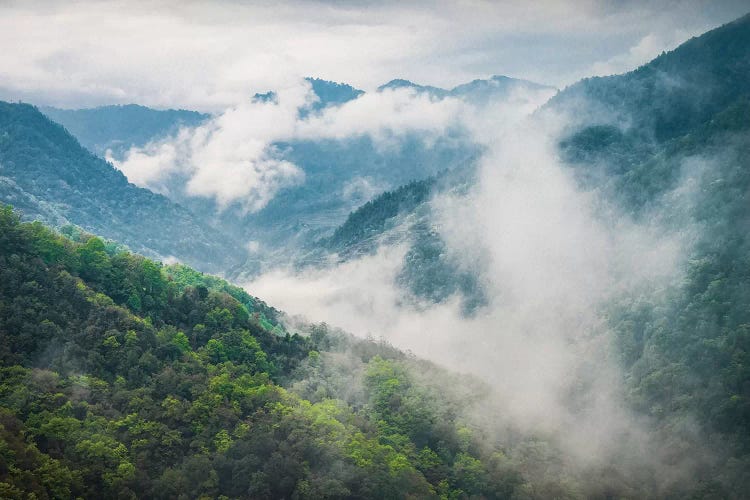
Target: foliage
(679, 151)
(46, 173)
(123, 378)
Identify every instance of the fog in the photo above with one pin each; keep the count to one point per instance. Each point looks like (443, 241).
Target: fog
(551, 256)
(233, 158)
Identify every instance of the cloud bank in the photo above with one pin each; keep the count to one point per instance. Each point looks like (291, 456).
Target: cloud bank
(210, 55)
(234, 157)
(553, 256)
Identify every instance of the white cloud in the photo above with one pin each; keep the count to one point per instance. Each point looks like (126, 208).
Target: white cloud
(232, 157)
(384, 114)
(552, 255)
(211, 55)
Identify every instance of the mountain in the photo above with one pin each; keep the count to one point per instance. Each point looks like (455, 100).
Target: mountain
(630, 134)
(340, 175)
(477, 91)
(47, 174)
(404, 216)
(332, 93)
(372, 218)
(122, 378)
(666, 143)
(328, 93)
(398, 83)
(118, 128)
(482, 91)
(670, 141)
(620, 123)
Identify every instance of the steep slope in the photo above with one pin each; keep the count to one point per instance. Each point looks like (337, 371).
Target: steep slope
(51, 177)
(371, 219)
(120, 380)
(620, 123)
(404, 216)
(118, 128)
(671, 141)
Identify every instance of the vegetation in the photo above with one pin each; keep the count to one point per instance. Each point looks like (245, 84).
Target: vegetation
(123, 378)
(46, 173)
(627, 128)
(371, 219)
(684, 159)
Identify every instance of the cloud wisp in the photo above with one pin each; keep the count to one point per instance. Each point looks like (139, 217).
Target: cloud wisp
(553, 257)
(234, 158)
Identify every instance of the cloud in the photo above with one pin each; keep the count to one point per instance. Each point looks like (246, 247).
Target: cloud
(384, 114)
(553, 257)
(210, 55)
(229, 159)
(234, 158)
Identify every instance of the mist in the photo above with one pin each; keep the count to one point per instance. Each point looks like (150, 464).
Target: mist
(550, 254)
(235, 159)
(551, 258)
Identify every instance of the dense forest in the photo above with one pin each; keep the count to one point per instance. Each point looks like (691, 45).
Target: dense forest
(403, 215)
(124, 378)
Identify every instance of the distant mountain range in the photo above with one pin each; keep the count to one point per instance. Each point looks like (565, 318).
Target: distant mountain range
(116, 129)
(476, 91)
(340, 174)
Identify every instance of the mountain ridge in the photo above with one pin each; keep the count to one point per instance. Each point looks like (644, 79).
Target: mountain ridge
(47, 164)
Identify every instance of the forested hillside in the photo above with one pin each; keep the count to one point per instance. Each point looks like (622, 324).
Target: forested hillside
(46, 173)
(371, 219)
(679, 152)
(124, 378)
(403, 216)
(626, 128)
(126, 375)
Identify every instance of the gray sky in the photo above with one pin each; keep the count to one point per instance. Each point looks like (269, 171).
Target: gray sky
(209, 55)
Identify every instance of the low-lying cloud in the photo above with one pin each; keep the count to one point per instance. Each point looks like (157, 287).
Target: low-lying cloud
(553, 257)
(234, 157)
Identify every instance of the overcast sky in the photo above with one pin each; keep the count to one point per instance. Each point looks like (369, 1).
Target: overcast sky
(210, 55)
